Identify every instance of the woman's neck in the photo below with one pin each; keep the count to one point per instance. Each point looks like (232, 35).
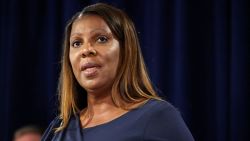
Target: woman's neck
(100, 103)
(100, 109)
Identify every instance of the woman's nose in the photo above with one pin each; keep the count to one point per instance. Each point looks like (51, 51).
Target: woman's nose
(88, 50)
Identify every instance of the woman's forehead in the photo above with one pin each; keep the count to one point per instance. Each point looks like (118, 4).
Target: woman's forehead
(88, 24)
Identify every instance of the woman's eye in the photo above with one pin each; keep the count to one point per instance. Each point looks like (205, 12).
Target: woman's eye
(76, 44)
(102, 39)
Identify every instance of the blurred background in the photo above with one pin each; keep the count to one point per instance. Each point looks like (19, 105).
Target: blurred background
(197, 54)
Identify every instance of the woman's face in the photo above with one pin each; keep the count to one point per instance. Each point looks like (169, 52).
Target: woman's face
(93, 54)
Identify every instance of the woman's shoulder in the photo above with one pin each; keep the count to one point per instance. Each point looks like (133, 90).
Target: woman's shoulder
(155, 109)
(49, 132)
(56, 123)
(56, 120)
(165, 121)
(159, 106)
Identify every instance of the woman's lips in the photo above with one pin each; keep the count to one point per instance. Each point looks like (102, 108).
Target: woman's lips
(90, 69)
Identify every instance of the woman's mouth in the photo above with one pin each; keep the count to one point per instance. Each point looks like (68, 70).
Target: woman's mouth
(90, 69)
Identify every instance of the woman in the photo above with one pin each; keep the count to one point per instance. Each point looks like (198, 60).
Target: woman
(102, 61)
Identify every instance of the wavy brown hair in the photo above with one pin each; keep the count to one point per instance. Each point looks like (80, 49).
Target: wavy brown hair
(131, 82)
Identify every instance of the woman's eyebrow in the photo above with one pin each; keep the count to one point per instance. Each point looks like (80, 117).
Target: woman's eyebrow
(99, 30)
(91, 32)
(75, 34)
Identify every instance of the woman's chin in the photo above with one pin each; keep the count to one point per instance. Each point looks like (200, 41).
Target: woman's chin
(91, 85)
